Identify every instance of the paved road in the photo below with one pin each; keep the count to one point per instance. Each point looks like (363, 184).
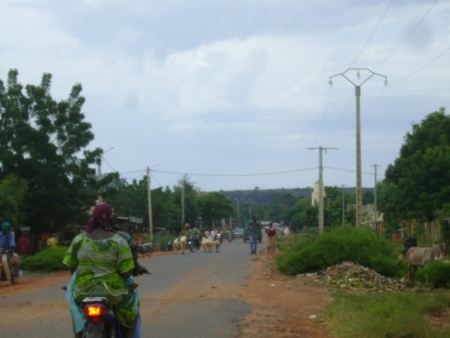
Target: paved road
(191, 295)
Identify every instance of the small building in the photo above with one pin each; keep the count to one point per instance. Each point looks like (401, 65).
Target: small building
(315, 193)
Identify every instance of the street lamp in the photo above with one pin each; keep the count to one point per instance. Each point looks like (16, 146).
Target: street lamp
(149, 197)
(99, 172)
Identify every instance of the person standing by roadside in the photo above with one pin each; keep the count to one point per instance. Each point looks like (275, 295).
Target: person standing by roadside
(52, 242)
(254, 229)
(7, 248)
(271, 232)
(24, 245)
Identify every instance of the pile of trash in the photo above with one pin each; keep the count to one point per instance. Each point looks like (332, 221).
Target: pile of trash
(352, 276)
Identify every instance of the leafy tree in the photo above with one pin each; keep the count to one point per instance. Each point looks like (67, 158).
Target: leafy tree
(368, 196)
(12, 194)
(131, 199)
(166, 214)
(386, 204)
(190, 196)
(43, 142)
(213, 207)
(277, 205)
(421, 174)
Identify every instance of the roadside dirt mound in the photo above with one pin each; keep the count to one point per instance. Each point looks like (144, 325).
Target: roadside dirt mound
(282, 306)
(353, 276)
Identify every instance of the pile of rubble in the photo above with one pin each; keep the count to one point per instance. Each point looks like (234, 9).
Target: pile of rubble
(352, 276)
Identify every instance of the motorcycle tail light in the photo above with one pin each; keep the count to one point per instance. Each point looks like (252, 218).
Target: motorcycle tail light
(95, 311)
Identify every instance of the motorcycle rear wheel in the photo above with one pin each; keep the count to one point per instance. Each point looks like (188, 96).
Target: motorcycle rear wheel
(149, 251)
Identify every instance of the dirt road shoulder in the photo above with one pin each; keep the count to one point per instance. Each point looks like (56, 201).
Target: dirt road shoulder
(282, 306)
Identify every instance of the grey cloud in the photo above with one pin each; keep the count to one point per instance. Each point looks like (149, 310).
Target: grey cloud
(180, 25)
(243, 80)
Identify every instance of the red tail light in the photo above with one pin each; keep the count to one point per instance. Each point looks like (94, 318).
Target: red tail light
(95, 310)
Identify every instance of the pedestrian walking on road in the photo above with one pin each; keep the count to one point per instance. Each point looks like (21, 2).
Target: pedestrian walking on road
(271, 232)
(254, 229)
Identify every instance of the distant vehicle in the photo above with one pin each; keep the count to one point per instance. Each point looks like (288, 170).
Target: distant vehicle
(247, 235)
(238, 233)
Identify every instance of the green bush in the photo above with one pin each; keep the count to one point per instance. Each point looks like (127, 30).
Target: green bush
(48, 260)
(338, 244)
(434, 272)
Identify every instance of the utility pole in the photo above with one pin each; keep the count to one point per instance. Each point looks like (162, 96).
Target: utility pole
(238, 212)
(343, 205)
(149, 200)
(375, 200)
(358, 136)
(321, 220)
(182, 205)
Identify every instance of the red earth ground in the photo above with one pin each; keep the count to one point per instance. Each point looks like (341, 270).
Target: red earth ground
(282, 306)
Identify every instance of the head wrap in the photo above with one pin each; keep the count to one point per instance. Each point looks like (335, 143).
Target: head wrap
(6, 228)
(101, 216)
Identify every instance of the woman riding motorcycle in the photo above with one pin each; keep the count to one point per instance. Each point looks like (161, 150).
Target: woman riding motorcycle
(103, 261)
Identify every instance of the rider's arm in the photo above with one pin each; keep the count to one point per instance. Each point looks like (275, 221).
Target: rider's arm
(127, 273)
(12, 244)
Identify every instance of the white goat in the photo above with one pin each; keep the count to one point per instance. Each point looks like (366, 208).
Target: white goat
(183, 242)
(176, 245)
(217, 244)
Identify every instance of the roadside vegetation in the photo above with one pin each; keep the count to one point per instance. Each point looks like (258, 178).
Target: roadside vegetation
(371, 314)
(394, 314)
(312, 253)
(49, 260)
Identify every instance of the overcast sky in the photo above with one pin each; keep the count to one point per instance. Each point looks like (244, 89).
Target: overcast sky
(228, 90)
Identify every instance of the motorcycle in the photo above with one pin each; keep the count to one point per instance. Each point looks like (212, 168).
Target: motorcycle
(100, 319)
(13, 261)
(193, 243)
(218, 237)
(145, 249)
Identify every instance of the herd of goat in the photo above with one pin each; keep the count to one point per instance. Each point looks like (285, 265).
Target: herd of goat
(208, 244)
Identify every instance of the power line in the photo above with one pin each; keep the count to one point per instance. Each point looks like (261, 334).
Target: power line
(370, 37)
(418, 70)
(373, 107)
(323, 115)
(155, 178)
(412, 31)
(342, 119)
(348, 170)
(234, 175)
(109, 165)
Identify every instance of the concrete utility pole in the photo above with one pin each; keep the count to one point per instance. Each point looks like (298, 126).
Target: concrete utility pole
(343, 205)
(375, 200)
(321, 221)
(358, 136)
(182, 205)
(149, 199)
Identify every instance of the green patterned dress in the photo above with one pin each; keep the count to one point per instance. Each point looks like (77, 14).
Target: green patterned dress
(99, 265)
